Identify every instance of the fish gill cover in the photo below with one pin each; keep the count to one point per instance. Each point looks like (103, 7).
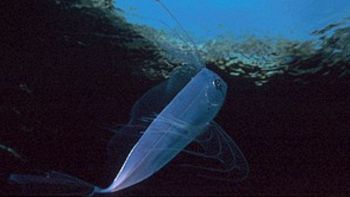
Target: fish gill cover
(70, 66)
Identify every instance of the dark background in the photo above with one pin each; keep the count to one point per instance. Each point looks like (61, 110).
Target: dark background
(58, 84)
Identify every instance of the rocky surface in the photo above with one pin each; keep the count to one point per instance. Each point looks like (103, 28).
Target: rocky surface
(261, 60)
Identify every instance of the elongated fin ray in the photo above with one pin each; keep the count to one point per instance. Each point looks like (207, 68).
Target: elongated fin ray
(198, 62)
(219, 156)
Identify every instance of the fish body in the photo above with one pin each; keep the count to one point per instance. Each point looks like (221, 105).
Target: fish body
(181, 121)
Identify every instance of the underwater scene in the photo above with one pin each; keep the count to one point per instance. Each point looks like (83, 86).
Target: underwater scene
(175, 98)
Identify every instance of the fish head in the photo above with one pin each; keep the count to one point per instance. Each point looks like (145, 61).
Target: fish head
(216, 91)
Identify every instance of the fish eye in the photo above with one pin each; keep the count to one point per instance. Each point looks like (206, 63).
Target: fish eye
(217, 83)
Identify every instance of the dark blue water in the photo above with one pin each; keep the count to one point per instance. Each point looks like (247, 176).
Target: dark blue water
(207, 19)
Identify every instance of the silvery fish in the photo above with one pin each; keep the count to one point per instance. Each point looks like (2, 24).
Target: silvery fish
(170, 116)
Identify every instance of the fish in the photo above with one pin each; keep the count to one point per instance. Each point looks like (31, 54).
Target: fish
(183, 119)
(164, 122)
